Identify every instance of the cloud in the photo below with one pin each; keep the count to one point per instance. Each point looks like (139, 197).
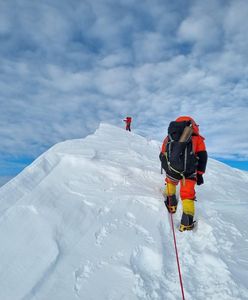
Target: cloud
(65, 66)
(203, 26)
(234, 24)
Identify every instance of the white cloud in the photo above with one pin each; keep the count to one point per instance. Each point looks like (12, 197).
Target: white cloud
(115, 81)
(66, 66)
(115, 59)
(203, 27)
(150, 47)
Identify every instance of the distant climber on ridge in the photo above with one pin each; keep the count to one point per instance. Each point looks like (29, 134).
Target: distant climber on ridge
(128, 121)
(184, 158)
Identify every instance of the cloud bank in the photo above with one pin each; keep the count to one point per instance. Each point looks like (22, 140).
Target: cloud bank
(65, 66)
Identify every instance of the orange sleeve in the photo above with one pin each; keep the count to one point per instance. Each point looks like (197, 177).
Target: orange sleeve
(200, 150)
(199, 144)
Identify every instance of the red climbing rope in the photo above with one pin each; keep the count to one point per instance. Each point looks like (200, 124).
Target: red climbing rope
(178, 264)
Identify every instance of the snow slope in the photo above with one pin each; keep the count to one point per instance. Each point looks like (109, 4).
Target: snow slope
(86, 220)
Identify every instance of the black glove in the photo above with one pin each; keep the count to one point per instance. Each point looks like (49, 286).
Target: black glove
(199, 179)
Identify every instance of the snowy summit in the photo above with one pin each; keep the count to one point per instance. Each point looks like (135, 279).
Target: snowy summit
(87, 221)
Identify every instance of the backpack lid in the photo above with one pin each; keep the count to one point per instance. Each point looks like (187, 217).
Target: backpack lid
(175, 129)
(194, 125)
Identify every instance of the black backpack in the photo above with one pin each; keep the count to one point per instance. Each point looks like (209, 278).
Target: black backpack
(181, 160)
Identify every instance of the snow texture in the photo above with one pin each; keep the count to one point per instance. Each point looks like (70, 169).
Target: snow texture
(86, 220)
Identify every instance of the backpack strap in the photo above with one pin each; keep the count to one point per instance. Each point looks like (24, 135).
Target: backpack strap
(170, 137)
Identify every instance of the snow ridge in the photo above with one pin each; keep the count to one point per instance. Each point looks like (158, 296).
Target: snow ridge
(86, 220)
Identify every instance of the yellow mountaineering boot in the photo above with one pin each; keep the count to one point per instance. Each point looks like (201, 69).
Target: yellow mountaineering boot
(171, 200)
(171, 203)
(187, 222)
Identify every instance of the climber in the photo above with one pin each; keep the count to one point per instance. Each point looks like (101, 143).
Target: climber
(184, 158)
(128, 121)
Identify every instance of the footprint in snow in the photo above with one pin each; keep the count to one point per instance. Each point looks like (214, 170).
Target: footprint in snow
(103, 232)
(147, 265)
(82, 273)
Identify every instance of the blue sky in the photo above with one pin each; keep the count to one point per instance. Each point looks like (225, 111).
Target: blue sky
(66, 66)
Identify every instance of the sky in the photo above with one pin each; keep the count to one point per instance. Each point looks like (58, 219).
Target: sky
(66, 66)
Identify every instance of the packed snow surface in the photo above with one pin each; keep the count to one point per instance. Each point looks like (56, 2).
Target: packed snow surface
(87, 221)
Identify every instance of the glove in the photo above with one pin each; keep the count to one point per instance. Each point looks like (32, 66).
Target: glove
(199, 179)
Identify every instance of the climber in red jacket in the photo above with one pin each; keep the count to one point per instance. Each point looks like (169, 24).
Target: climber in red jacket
(128, 121)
